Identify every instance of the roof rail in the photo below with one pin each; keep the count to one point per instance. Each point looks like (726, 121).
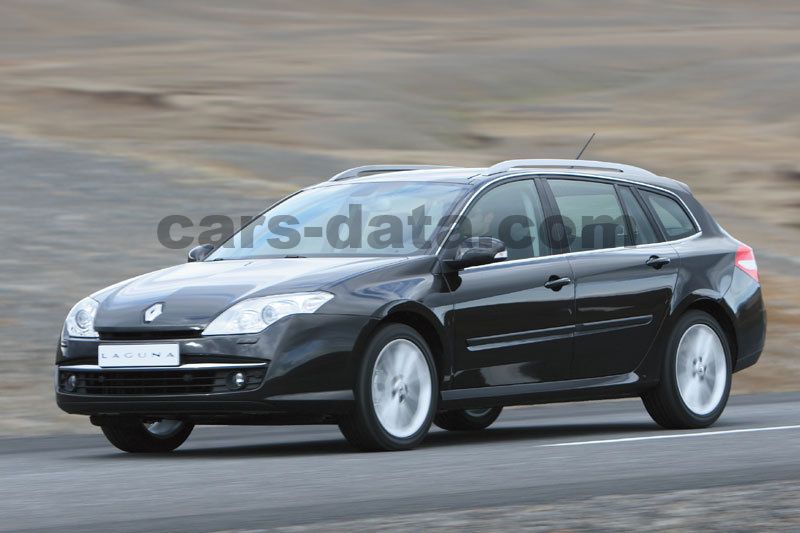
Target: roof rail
(563, 164)
(367, 170)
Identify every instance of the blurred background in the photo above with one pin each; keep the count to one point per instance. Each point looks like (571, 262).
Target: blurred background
(115, 114)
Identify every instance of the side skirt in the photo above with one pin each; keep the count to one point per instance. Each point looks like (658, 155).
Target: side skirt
(617, 386)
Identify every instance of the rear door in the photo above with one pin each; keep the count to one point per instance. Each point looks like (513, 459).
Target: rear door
(513, 325)
(624, 274)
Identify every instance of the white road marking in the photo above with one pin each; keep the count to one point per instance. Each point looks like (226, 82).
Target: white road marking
(672, 436)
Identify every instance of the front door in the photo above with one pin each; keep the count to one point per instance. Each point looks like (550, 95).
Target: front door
(513, 320)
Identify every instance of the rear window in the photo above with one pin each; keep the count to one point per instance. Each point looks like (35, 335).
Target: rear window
(673, 218)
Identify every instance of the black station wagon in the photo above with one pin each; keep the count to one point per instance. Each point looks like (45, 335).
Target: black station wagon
(392, 297)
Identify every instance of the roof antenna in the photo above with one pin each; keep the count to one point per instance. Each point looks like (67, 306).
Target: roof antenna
(584, 146)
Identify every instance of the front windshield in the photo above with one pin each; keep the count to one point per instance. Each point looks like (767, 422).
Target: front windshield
(361, 219)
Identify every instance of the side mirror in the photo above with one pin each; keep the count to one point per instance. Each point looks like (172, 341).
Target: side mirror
(198, 253)
(476, 251)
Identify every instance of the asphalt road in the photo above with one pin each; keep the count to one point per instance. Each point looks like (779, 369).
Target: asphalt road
(230, 478)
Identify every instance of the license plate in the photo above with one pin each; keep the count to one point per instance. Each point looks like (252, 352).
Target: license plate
(135, 355)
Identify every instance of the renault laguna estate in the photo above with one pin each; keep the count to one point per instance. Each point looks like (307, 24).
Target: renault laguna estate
(393, 297)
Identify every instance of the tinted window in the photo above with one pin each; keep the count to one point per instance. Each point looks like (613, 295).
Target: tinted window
(643, 232)
(512, 213)
(591, 212)
(674, 220)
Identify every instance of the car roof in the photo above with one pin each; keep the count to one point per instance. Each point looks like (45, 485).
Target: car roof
(478, 176)
(431, 174)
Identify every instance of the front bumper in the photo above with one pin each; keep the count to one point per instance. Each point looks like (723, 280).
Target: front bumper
(301, 365)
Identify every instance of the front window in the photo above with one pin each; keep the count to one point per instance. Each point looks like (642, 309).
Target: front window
(356, 219)
(511, 213)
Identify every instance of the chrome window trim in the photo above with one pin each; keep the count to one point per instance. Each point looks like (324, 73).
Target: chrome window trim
(188, 366)
(532, 175)
(582, 252)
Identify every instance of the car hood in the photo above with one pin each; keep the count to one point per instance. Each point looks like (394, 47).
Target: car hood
(193, 294)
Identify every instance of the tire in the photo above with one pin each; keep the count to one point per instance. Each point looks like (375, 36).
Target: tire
(136, 436)
(396, 392)
(467, 419)
(696, 377)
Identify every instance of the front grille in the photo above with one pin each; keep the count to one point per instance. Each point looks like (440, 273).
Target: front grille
(150, 335)
(157, 382)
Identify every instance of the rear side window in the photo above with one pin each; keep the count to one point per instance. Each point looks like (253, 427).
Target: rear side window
(591, 213)
(643, 231)
(674, 220)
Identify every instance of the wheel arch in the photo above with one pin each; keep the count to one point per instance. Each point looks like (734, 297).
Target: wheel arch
(424, 322)
(718, 309)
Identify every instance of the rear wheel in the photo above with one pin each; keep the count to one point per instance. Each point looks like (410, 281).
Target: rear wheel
(696, 378)
(146, 436)
(396, 391)
(467, 419)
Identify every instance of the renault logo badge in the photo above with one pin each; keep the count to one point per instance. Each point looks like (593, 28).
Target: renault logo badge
(153, 312)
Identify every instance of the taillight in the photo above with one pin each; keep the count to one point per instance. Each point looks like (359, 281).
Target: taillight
(746, 261)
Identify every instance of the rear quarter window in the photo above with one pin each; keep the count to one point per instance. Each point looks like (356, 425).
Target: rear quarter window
(674, 219)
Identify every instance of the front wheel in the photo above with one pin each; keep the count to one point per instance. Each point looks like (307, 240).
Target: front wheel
(696, 378)
(146, 436)
(396, 391)
(467, 419)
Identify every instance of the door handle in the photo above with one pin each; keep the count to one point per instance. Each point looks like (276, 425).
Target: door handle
(657, 262)
(555, 283)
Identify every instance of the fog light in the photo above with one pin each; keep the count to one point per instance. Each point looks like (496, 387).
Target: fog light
(71, 383)
(237, 380)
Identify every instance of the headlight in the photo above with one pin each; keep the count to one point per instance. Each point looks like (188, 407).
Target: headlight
(255, 314)
(80, 319)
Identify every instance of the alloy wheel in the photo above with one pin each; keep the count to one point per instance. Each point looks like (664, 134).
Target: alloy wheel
(701, 369)
(401, 388)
